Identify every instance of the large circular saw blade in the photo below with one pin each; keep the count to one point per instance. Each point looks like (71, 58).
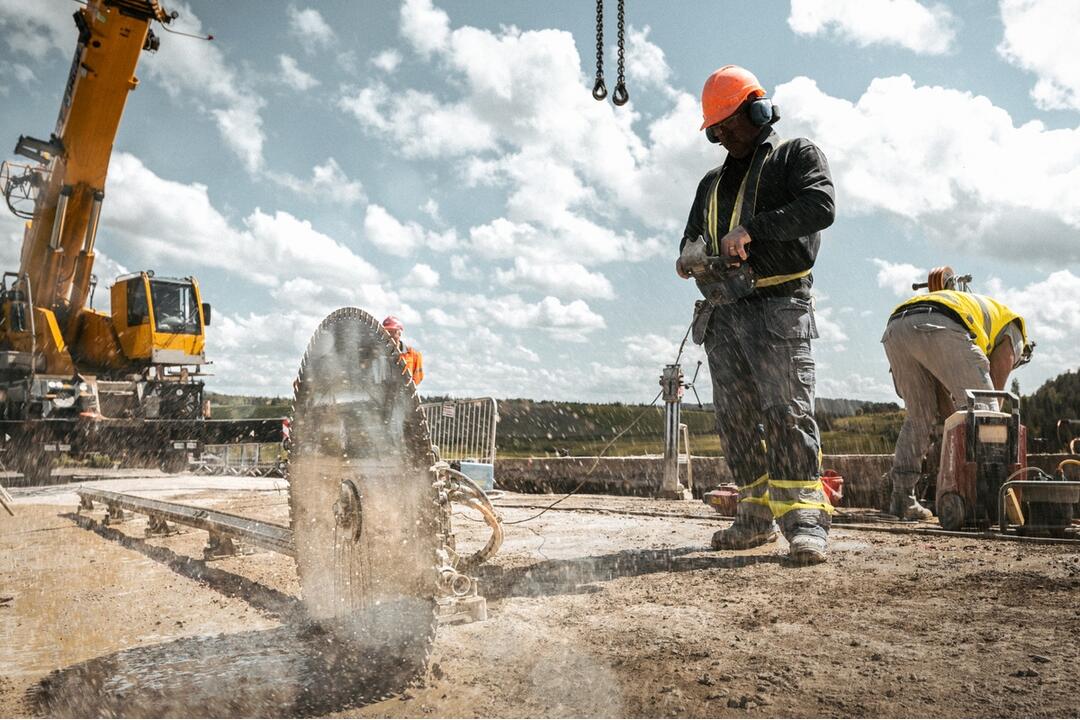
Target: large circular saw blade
(365, 513)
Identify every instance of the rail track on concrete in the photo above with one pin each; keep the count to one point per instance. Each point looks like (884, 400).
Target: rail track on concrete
(220, 525)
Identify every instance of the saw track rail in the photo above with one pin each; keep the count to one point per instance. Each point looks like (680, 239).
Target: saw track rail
(267, 536)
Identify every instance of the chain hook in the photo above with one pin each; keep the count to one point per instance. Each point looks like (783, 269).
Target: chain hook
(599, 91)
(620, 96)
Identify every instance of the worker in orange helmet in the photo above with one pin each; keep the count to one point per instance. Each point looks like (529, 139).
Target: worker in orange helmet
(750, 243)
(414, 361)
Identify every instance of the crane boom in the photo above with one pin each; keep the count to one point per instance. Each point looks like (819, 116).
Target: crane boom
(74, 379)
(58, 246)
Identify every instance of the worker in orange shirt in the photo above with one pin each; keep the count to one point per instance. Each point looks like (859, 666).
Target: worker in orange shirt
(414, 361)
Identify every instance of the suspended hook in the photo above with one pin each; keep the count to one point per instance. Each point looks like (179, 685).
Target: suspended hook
(599, 91)
(620, 96)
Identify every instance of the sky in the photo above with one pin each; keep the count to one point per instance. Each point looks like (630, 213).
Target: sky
(445, 162)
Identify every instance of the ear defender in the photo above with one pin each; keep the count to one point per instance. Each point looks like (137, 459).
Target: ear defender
(761, 112)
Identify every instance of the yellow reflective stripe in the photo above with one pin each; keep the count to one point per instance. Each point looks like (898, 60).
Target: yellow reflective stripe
(711, 218)
(811, 484)
(736, 211)
(777, 279)
(988, 324)
(760, 481)
(782, 508)
(763, 500)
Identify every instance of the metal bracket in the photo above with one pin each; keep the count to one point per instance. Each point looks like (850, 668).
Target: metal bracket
(220, 545)
(115, 513)
(157, 525)
(453, 610)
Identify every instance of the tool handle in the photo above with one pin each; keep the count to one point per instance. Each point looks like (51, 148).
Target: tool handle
(972, 394)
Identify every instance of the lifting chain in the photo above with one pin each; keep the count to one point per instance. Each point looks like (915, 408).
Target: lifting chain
(599, 91)
(620, 96)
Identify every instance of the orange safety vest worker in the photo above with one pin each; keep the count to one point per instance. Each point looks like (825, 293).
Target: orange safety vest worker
(414, 361)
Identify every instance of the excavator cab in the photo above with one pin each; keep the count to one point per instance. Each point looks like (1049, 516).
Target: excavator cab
(160, 319)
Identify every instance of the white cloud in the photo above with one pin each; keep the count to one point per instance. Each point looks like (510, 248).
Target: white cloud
(646, 65)
(462, 269)
(565, 279)
(423, 276)
(431, 209)
(444, 319)
(419, 123)
(922, 28)
(293, 76)
(1050, 307)
(22, 74)
(387, 60)
(309, 26)
(567, 321)
(1040, 36)
(394, 237)
(173, 225)
(513, 115)
(199, 71)
(649, 349)
(424, 26)
(898, 277)
(327, 182)
(970, 179)
(35, 28)
(830, 331)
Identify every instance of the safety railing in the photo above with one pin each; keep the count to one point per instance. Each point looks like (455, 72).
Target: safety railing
(242, 459)
(463, 429)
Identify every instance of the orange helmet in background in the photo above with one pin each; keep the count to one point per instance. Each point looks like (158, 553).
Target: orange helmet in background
(725, 91)
(392, 323)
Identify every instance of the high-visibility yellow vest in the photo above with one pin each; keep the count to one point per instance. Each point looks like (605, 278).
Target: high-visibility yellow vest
(983, 316)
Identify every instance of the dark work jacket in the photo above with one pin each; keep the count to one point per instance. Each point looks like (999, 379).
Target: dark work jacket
(795, 201)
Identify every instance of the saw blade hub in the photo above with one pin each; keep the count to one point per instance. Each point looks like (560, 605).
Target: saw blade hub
(347, 510)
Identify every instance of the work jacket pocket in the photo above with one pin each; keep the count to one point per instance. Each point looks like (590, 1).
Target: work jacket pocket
(790, 318)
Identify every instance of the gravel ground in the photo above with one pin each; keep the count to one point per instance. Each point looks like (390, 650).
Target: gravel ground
(602, 607)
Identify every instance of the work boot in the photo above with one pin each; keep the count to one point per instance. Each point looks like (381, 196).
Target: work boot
(904, 506)
(745, 534)
(807, 548)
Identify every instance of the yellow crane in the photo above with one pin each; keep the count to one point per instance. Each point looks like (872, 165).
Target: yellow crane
(74, 379)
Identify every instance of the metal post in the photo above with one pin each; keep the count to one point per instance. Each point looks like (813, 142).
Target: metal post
(671, 383)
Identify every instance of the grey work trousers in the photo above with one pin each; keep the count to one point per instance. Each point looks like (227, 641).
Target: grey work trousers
(926, 348)
(763, 391)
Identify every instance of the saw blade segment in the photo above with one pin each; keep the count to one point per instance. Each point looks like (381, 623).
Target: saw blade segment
(364, 510)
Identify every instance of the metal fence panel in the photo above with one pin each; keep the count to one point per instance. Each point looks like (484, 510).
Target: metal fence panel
(463, 429)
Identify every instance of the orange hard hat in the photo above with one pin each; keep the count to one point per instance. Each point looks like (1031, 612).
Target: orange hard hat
(392, 323)
(725, 91)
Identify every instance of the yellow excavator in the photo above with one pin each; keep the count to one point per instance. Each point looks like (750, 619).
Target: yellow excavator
(75, 380)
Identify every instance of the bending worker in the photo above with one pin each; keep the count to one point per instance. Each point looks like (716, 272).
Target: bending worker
(750, 243)
(956, 338)
(414, 361)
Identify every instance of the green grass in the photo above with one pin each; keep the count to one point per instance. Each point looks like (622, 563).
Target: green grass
(529, 428)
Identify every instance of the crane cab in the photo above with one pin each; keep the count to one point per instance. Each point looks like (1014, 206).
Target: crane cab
(160, 320)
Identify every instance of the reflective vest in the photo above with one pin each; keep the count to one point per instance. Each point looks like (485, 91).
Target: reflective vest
(983, 316)
(414, 363)
(744, 207)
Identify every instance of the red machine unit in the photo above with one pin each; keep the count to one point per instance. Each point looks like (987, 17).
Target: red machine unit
(980, 450)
